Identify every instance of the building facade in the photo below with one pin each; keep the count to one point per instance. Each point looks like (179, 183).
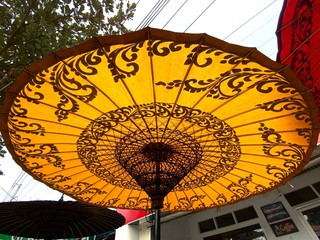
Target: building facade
(291, 212)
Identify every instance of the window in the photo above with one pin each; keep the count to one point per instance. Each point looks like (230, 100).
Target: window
(317, 187)
(245, 214)
(300, 196)
(225, 220)
(313, 218)
(253, 232)
(206, 225)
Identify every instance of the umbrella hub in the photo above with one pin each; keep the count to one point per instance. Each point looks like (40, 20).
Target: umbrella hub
(158, 164)
(158, 151)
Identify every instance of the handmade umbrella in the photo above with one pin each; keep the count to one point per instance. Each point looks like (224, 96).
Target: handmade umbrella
(56, 219)
(298, 36)
(158, 119)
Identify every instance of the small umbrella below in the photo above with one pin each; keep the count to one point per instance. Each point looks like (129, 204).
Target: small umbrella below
(56, 219)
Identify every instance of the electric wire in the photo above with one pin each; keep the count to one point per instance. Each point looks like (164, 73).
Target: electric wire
(176, 12)
(258, 29)
(156, 14)
(196, 19)
(152, 14)
(11, 196)
(246, 22)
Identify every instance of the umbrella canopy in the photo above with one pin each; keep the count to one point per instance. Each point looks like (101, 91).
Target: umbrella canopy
(159, 119)
(299, 41)
(56, 219)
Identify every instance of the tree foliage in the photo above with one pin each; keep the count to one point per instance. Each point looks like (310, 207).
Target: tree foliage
(31, 29)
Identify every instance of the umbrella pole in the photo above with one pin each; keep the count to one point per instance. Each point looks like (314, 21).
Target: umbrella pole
(157, 204)
(157, 224)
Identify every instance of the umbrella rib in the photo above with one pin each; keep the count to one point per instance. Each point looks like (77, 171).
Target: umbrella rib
(128, 91)
(302, 43)
(209, 186)
(194, 57)
(297, 17)
(102, 92)
(79, 166)
(200, 187)
(230, 137)
(153, 83)
(203, 166)
(269, 119)
(314, 52)
(106, 196)
(256, 108)
(240, 177)
(212, 86)
(260, 121)
(72, 113)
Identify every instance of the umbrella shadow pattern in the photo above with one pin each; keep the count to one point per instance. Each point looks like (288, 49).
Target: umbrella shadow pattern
(155, 118)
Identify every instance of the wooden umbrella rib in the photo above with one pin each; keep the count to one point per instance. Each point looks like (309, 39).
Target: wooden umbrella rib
(194, 56)
(244, 112)
(76, 173)
(204, 164)
(302, 43)
(226, 138)
(153, 83)
(211, 87)
(92, 106)
(241, 177)
(84, 102)
(314, 53)
(257, 107)
(270, 119)
(263, 144)
(297, 17)
(106, 196)
(198, 186)
(265, 78)
(128, 91)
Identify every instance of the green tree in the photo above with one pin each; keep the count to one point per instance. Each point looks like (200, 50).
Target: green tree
(31, 29)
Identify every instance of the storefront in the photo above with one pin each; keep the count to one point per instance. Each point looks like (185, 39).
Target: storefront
(287, 213)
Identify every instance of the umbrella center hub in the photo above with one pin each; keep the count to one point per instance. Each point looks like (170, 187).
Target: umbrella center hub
(158, 151)
(157, 165)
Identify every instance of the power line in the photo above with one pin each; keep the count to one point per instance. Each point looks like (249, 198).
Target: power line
(156, 14)
(259, 28)
(175, 13)
(200, 15)
(249, 20)
(153, 13)
(7, 193)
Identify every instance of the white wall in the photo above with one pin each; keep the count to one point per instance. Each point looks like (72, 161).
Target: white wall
(127, 232)
(178, 229)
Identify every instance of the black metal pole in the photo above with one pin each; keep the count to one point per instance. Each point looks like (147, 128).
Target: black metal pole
(157, 224)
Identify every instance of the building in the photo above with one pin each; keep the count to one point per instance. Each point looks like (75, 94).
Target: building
(290, 212)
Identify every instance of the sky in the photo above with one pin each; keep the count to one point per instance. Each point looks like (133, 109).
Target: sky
(250, 23)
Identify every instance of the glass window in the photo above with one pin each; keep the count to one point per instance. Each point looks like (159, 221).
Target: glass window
(317, 186)
(206, 225)
(300, 196)
(253, 232)
(313, 218)
(245, 214)
(225, 220)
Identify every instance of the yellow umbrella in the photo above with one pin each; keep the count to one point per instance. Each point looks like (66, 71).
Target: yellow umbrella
(157, 119)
